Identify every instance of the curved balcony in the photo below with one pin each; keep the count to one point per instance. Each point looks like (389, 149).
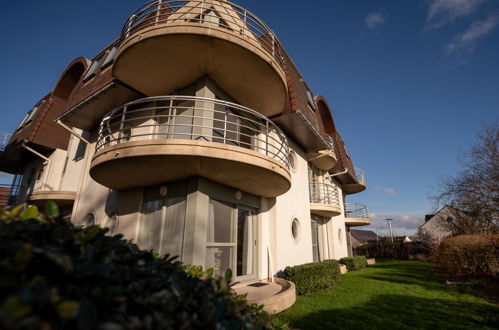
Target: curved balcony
(160, 139)
(62, 198)
(324, 159)
(166, 45)
(324, 199)
(356, 215)
(358, 186)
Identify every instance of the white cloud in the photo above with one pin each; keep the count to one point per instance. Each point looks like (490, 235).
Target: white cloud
(374, 20)
(389, 191)
(442, 12)
(401, 224)
(467, 40)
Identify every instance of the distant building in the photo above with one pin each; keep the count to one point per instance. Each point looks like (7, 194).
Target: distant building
(434, 227)
(361, 237)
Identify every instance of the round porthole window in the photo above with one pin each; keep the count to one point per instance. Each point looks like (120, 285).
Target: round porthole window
(89, 220)
(295, 229)
(112, 223)
(340, 236)
(293, 160)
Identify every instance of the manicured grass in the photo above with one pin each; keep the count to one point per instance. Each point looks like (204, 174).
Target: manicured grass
(391, 295)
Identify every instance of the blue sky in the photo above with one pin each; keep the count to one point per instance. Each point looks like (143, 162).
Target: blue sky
(410, 82)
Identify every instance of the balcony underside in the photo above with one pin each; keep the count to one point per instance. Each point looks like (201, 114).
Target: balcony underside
(62, 198)
(160, 59)
(325, 210)
(322, 159)
(356, 222)
(152, 162)
(353, 188)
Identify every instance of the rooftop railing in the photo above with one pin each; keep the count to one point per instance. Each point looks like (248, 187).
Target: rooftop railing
(193, 118)
(359, 175)
(4, 140)
(324, 193)
(330, 143)
(356, 211)
(221, 14)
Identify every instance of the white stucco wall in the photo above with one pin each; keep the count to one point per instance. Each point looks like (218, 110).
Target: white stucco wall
(293, 204)
(338, 241)
(94, 198)
(70, 180)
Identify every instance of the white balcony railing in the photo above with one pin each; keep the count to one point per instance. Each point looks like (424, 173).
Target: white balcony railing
(193, 118)
(330, 143)
(324, 193)
(356, 211)
(4, 140)
(359, 175)
(223, 14)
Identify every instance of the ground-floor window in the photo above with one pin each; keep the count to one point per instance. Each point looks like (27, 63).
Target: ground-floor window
(162, 223)
(315, 239)
(231, 239)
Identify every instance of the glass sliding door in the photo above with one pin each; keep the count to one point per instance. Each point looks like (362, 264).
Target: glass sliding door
(231, 240)
(315, 240)
(221, 237)
(246, 245)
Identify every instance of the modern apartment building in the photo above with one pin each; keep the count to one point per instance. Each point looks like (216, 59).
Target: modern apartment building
(194, 134)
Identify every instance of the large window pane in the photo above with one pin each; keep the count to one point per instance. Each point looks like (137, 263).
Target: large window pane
(219, 258)
(245, 246)
(220, 224)
(162, 224)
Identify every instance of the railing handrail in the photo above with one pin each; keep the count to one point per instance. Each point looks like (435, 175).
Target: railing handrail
(159, 12)
(324, 193)
(201, 118)
(359, 175)
(353, 210)
(330, 142)
(4, 140)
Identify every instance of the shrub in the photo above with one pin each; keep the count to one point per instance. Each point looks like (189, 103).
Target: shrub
(313, 276)
(354, 263)
(469, 256)
(54, 275)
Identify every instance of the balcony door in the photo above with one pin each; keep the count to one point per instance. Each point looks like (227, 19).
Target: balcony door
(231, 240)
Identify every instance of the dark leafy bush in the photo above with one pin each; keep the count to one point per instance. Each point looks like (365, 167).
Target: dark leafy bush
(313, 276)
(54, 275)
(385, 249)
(354, 263)
(469, 256)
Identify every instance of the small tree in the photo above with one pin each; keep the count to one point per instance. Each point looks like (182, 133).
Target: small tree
(474, 192)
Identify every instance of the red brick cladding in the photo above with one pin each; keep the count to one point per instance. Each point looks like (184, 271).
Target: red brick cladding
(84, 90)
(298, 92)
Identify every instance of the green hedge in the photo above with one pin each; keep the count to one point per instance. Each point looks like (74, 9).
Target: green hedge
(469, 256)
(313, 276)
(354, 263)
(54, 275)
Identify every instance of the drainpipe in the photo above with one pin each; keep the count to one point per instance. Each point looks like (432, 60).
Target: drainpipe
(23, 145)
(340, 173)
(67, 128)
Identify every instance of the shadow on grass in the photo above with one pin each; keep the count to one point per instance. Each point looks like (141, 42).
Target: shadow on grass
(404, 273)
(403, 312)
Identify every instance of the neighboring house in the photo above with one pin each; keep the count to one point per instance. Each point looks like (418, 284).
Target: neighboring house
(193, 134)
(434, 227)
(361, 237)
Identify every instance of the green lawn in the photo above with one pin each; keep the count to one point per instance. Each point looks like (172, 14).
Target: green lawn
(391, 295)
